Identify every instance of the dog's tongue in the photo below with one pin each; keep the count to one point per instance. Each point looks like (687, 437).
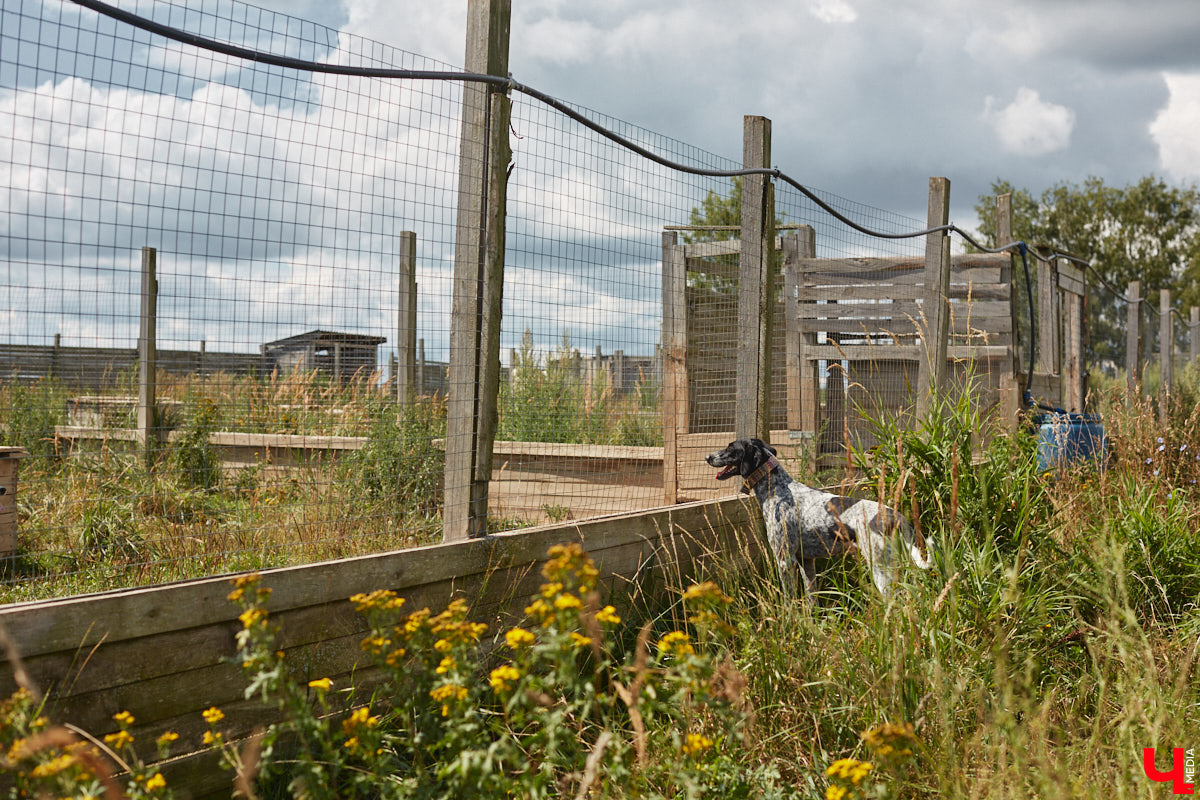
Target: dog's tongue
(725, 473)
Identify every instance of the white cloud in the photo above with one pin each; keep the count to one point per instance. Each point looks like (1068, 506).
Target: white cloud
(1030, 126)
(833, 11)
(1174, 129)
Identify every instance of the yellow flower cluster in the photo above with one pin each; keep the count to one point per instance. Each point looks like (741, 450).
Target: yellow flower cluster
(567, 602)
(519, 637)
(608, 615)
(676, 642)
(375, 644)
(156, 782)
(123, 718)
(850, 769)
(706, 593)
(541, 611)
(321, 684)
(447, 664)
(119, 740)
(52, 767)
(378, 600)
(579, 640)
(360, 718)
(253, 617)
(891, 739)
(213, 715)
(696, 743)
(571, 566)
(446, 693)
(502, 678)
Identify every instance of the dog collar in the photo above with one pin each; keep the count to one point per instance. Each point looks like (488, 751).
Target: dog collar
(754, 477)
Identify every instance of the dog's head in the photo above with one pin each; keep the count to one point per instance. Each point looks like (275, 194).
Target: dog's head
(741, 457)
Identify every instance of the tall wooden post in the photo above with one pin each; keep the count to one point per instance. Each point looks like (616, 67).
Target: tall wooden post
(936, 308)
(756, 284)
(674, 355)
(1194, 333)
(147, 355)
(406, 321)
(1009, 386)
(801, 369)
(474, 370)
(1047, 321)
(1133, 342)
(1166, 347)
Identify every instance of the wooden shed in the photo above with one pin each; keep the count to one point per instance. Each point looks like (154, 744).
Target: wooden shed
(342, 355)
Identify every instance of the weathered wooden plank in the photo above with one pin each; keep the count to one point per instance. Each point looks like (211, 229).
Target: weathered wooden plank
(900, 310)
(982, 278)
(147, 368)
(674, 355)
(905, 326)
(1048, 318)
(935, 309)
(792, 344)
(406, 319)
(755, 283)
(478, 275)
(1133, 342)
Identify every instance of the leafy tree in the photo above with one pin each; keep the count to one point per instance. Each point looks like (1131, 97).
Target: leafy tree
(1148, 231)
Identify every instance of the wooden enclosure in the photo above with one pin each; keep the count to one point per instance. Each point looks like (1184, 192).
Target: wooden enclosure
(163, 653)
(849, 342)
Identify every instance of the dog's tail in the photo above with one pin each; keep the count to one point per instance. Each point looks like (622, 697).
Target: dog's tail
(918, 547)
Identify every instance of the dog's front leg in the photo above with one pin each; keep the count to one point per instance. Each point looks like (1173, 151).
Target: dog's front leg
(808, 570)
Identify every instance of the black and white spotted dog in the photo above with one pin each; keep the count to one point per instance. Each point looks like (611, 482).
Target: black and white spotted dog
(806, 524)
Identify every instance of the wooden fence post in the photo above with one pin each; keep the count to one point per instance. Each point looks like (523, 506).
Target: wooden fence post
(1009, 386)
(1166, 347)
(935, 309)
(801, 376)
(674, 355)
(147, 355)
(1047, 321)
(1133, 342)
(1194, 354)
(1074, 289)
(406, 322)
(474, 371)
(756, 284)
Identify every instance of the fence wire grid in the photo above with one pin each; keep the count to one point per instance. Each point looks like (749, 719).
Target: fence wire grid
(287, 238)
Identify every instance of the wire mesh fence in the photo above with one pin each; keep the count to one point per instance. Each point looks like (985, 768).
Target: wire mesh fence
(229, 290)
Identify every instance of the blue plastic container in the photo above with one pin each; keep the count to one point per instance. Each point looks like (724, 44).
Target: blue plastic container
(1066, 440)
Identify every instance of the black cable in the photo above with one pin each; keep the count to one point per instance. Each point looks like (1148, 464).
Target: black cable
(508, 85)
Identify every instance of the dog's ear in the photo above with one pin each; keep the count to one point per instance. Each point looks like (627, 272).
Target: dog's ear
(761, 445)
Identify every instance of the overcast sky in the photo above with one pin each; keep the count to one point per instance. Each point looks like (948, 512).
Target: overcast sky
(277, 197)
(868, 98)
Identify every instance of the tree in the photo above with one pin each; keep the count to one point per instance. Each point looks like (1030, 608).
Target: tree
(1148, 231)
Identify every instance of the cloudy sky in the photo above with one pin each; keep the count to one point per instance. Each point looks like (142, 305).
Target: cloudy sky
(868, 98)
(277, 198)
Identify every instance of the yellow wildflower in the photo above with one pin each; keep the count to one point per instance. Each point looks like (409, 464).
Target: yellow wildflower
(696, 743)
(156, 782)
(706, 592)
(608, 615)
(447, 692)
(442, 646)
(123, 718)
(321, 684)
(579, 640)
(502, 677)
(211, 738)
(252, 616)
(861, 771)
(243, 581)
(119, 740)
(676, 642)
(352, 743)
(416, 621)
(551, 589)
(567, 601)
(518, 637)
(448, 663)
(52, 767)
(360, 718)
(835, 792)
(375, 644)
(213, 715)
(380, 599)
(395, 657)
(235, 595)
(167, 738)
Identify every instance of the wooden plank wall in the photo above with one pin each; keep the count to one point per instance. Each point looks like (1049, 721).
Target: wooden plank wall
(160, 652)
(864, 311)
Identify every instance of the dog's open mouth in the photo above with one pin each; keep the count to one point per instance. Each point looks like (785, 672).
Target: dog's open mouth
(727, 472)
